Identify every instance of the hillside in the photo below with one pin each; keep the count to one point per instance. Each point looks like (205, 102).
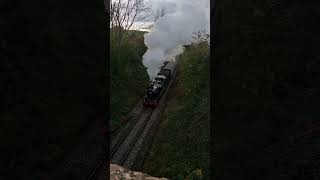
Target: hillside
(180, 149)
(129, 77)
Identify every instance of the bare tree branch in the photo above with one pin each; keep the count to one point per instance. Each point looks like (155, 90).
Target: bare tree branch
(159, 13)
(124, 13)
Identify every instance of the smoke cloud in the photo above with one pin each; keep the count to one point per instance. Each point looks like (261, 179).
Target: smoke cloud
(174, 30)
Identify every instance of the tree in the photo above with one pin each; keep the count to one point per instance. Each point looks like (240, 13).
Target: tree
(123, 14)
(161, 12)
(201, 36)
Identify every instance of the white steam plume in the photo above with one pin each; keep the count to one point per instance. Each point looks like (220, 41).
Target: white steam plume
(173, 30)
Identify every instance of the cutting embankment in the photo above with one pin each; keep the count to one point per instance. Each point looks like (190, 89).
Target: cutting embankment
(129, 77)
(180, 148)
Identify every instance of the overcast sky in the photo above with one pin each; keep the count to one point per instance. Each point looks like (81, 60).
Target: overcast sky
(175, 29)
(169, 5)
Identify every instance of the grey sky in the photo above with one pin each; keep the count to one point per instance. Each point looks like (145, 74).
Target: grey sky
(170, 7)
(175, 29)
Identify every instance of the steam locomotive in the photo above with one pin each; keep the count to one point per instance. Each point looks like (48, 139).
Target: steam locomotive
(159, 85)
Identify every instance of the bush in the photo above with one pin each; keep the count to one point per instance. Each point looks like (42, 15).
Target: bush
(182, 142)
(129, 77)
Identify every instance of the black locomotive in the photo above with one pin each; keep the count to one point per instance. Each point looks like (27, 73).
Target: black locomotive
(159, 85)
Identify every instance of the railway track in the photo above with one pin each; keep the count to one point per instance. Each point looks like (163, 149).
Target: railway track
(122, 145)
(127, 131)
(129, 145)
(146, 120)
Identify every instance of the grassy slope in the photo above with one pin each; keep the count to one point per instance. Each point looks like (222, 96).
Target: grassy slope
(182, 142)
(128, 78)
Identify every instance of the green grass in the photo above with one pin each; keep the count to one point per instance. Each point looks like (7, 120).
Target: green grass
(181, 146)
(129, 77)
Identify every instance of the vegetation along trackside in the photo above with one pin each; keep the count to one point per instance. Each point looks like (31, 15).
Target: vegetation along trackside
(180, 149)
